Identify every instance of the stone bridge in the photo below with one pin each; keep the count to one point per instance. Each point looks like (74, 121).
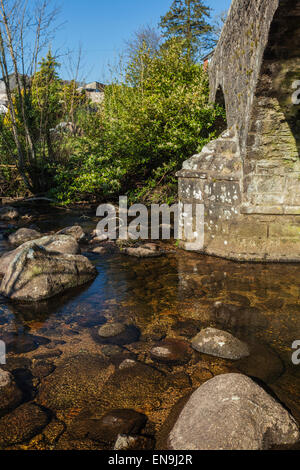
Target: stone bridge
(249, 178)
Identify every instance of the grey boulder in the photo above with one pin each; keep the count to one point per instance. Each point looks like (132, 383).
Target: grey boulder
(75, 231)
(36, 274)
(231, 412)
(58, 243)
(220, 344)
(23, 235)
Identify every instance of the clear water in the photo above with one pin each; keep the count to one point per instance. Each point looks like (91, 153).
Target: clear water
(159, 295)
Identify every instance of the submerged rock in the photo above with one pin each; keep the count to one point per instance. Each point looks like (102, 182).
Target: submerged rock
(141, 252)
(36, 274)
(10, 395)
(22, 424)
(76, 382)
(125, 442)
(236, 317)
(118, 334)
(42, 369)
(171, 351)
(263, 363)
(107, 427)
(188, 328)
(8, 213)
(64, 244)
(23, 235)
(23, 343)
(138, 387)
(127, 363)
(231, 412)
(75, 231)
(220, 344)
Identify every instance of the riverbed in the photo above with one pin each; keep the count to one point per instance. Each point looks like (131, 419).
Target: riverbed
(169, 297)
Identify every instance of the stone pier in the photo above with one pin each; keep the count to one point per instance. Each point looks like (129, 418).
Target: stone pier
(249, 178)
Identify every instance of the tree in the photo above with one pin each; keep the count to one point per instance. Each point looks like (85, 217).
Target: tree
(146, 36)
(187, 19)
(143, 131)
(25, 30)
(46, 103)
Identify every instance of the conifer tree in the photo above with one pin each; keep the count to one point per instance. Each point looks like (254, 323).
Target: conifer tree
(187, 20)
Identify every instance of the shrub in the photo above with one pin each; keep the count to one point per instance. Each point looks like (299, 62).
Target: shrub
(147, 126)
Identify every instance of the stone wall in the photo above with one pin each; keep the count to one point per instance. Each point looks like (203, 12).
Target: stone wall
(249, 178)
(237, 60)
(272, 163)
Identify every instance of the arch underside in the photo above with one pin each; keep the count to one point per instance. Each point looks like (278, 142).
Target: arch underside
(272, 160)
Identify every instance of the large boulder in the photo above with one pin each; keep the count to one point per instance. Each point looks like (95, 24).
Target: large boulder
(220, 344)
(58, 243)
(8, 213)
(36, 274)
(75, 231)
(231, 412)
(23, 235)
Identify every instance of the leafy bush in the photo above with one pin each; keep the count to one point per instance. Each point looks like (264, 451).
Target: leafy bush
(147, 126)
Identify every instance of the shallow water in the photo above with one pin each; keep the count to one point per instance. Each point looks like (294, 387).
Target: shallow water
(174, 296)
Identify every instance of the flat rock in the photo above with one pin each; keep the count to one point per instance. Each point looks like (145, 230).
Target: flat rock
(75, 383)
(22, 424)
(220, 344)
(10, 395)
(237, 317)
(139, 387)
(8, 213)
(263, 363)
(107, 427)
(141, 252)
(42, 369)
(171, 351)
(231, 412)
(23, 343)
(36, 274)
(23, 235)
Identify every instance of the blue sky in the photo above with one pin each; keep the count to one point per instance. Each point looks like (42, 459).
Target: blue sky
(102, 27)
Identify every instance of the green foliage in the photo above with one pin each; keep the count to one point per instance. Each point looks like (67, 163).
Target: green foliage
(187, 20)
(131, 144)
(145, 129)
(46, 102)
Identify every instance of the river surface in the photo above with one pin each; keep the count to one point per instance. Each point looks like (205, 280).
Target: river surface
(172, 296)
